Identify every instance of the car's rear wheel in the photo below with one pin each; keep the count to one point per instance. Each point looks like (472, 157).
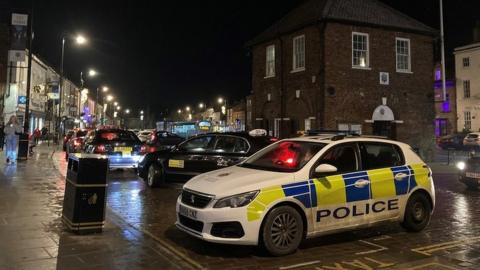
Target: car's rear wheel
(282, 231)
(417, 212)
(155, 176)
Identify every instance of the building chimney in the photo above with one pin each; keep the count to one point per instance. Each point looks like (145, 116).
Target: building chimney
(476, 32)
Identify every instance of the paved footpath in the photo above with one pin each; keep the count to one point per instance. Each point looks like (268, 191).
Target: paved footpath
(32, 235)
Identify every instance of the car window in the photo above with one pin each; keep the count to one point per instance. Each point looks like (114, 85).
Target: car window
(285, 156)
(199, 144)
(380, 155)
(115, 136)
(342, 157)
(231, 144)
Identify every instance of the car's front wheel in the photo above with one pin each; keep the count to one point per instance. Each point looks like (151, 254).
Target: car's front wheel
(282, 231)
(155, 176)
(417, 212)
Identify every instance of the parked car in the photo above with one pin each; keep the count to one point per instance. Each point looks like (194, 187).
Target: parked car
(199, 154)
(306, 187)
(67, 137)
(469, 171)
(451, 142)
(76, 142)
(145, 135)
(161, 140)
(122, 147)
(472, 139)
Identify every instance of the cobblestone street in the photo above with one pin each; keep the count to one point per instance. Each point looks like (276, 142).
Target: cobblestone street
(140, 231)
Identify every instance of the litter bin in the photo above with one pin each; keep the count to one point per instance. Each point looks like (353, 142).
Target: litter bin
(22, 146)
(85, 193)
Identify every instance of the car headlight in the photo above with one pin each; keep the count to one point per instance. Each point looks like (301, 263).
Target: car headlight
(235, 201)
(461, 165)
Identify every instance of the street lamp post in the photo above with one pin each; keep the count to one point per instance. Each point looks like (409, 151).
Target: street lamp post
(222, 109)
(79, 40)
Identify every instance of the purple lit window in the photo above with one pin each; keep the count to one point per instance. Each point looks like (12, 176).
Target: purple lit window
(446, 106)
(438, 74)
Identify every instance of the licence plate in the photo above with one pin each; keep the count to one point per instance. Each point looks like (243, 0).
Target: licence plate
(175, 163)
(187, 212)
(126, 151)
(473, 175)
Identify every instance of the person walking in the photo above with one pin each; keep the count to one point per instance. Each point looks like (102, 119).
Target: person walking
(12, 130)
(36, 135)
(44, 134)
(2, 136)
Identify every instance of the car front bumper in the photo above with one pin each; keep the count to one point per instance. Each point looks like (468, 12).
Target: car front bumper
(469, 181)
(207, 218)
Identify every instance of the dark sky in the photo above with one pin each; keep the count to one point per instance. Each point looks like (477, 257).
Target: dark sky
(168, 54)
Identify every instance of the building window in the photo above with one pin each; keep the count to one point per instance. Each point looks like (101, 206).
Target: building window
(466, 88)
(360, 54)
(269, 97)
(297, 93)
(308, 124)
(270, 62)
(468, 120)
(299, 53)
(466, 61)
(403, 54)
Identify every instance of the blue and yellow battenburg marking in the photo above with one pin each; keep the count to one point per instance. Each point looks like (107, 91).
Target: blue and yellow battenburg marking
(341, 189)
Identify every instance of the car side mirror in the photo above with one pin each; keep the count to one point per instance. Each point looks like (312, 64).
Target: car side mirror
(325, 169)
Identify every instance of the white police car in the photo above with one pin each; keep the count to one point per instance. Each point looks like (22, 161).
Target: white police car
(305, 187)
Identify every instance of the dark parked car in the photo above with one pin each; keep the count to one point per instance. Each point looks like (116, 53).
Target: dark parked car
(202, 153)
(451, 142)
(66, 138)
(162, 140)
(469, 171)
(76, 142)
(122, 147)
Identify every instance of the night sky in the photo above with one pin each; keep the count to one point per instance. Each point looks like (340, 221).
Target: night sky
(168, 54)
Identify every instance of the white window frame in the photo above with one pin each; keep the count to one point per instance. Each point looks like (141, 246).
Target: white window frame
(466, 89)
(367, 60)
(466, 62)
(295, 66)
(467, 120)
(409, 69)
(269, 62)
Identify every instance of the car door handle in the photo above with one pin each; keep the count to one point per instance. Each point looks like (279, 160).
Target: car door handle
(361, 183)
(400, 176)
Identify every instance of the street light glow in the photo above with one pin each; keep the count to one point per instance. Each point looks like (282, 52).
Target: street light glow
(109, 98)
(80, 40)
(201, 105)
(179, 111)
(115, 103)
(220, 100)
(187, 108)
(127, 111)
(141, 112)
(105, 89)
(118, 108)
(92, 72)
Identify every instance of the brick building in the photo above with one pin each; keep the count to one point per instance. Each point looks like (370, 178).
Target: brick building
(345, 65)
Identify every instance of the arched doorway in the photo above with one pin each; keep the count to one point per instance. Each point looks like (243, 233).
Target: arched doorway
(383, 121)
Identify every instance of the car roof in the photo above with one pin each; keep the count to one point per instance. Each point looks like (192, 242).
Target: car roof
(332, 138)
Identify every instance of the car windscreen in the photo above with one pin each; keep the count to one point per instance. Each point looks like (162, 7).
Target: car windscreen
(472, 136)
(116, 136)
(285, 156)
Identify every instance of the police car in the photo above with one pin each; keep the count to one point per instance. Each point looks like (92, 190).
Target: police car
(305, 187)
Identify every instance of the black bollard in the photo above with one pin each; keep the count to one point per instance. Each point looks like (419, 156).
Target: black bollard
(22, 147)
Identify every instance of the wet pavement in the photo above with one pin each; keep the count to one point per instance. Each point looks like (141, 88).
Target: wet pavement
(140, 231)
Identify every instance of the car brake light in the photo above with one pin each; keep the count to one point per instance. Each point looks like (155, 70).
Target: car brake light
(100, 149)
(143, 149)
(152, 149)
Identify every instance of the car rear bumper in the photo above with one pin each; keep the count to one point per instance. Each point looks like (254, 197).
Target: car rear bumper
(123, 162)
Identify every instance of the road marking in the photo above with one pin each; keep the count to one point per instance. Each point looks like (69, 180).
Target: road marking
(437, 266)
(379, 248)
(428, 250)
(298, 265)
(383, 237)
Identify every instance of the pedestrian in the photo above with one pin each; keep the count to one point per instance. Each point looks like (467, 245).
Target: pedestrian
(44, 133)
(2, 136)
(36, 135)
(32, 143)
(12, 130)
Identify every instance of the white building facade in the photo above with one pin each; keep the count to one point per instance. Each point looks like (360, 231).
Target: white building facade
(467, 70)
